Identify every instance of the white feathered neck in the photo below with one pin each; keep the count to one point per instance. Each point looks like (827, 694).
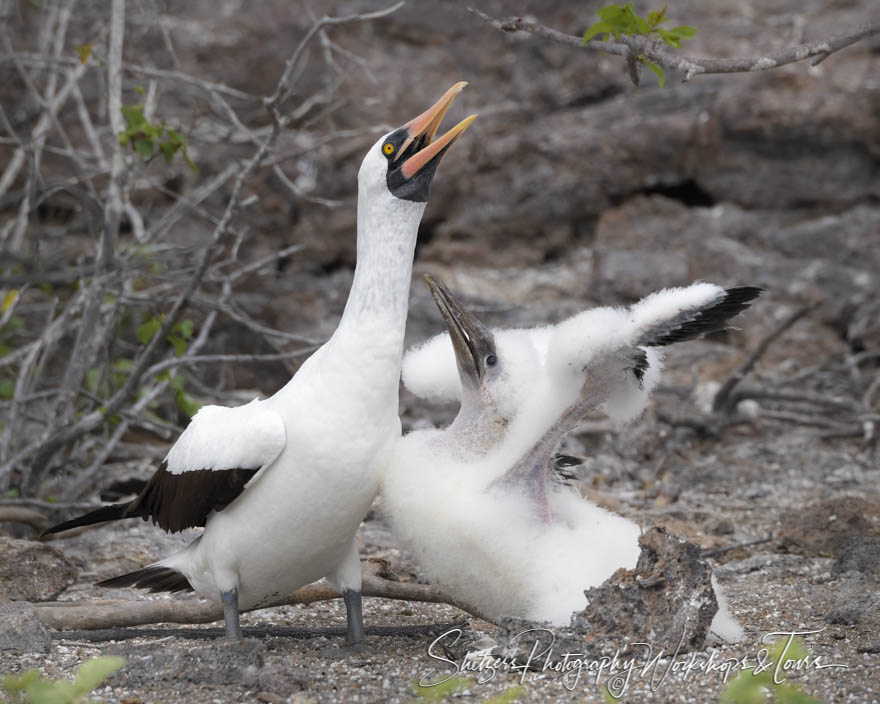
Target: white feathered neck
(367, 345)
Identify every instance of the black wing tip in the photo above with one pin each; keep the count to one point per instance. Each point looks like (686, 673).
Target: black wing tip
(709, 319)
(103, 514)
(155, 578)
(743, 294)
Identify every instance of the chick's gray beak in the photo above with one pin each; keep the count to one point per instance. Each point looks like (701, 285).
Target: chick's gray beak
(471, 340)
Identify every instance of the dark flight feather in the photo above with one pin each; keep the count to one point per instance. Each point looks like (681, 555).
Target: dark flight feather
(696, 322)
(156, 579)
(173, 502)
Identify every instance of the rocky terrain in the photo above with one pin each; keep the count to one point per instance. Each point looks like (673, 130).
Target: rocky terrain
(573, 188)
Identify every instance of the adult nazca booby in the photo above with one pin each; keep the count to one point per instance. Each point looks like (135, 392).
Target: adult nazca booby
(282, 484)
(475, 503)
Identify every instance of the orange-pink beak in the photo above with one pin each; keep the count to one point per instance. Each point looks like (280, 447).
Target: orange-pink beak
(425, 126)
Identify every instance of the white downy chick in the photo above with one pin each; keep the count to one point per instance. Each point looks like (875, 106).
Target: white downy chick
(473, 502)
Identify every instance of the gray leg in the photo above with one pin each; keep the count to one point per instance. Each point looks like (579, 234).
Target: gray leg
(230, 614)
(355, 617)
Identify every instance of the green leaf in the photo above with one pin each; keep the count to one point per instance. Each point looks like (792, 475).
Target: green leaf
(657, 71)
(168, 150)
(188, 404)
(7, 389)
(13, 684)
(616, 15)
(744, 689)
(123, 364)
(11, 494)
(153, 131)
(176, 137)
(94, 671)
(794, 650)
(51, 692)
(623, 20)
(185, 328)
(139, 89)
(178, 343)
(177, 382)
(93, 376)
(684, 31)
(642, 25)
(670, 38)
(655, 18)
(598, 28)
(144, 147)
(147, 329)
(84, 51)
(189, 162)
(134, 117)
(8, 299)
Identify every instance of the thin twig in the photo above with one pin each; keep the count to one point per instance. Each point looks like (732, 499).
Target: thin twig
(39, 131)
(723, 402)
(284, 87)
(720, 551)
(149, 71)
(160, 367)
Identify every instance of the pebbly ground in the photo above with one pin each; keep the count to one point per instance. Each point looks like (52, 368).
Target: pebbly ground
(817, 501)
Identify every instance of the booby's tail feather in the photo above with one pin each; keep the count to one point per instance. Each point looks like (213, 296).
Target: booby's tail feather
(153, 577)
(112, 512)
(692, 323)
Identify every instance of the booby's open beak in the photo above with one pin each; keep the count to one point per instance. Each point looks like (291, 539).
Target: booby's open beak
(473, 343)
(414, 153)
(422, 129)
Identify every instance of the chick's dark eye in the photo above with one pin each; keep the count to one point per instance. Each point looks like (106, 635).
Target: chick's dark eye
(491, 360)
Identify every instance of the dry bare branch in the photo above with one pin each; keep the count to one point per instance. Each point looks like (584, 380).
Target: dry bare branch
(27, 516)
(723, 402)
(106, 613)
(88, 316)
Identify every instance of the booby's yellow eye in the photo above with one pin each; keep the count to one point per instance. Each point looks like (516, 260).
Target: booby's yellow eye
(388, 149)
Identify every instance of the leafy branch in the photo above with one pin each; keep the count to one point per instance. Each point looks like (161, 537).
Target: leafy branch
(629, 47)
(146, 137)
(622, 20)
